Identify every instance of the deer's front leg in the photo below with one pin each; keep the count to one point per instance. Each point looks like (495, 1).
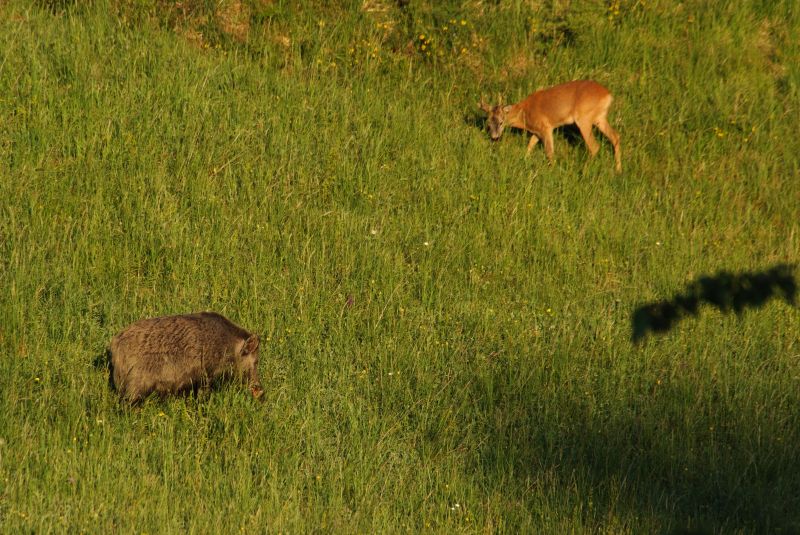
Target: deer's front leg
(548, 145)
(532, 143)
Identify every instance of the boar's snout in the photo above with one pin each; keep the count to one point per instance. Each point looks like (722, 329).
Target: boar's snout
(249, 365)
(255, 385)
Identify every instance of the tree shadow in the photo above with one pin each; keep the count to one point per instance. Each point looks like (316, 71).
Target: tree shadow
(677, 454)
(718, 473)
(728, 292)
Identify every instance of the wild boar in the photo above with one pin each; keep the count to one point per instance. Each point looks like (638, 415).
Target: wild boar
(173, 354)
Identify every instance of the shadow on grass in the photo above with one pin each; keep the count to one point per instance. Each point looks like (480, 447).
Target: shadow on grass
(199, 392)
(570, 133)
(685, 455)
(56, 7)
(667, 458)
(725, 291)
(475, 119)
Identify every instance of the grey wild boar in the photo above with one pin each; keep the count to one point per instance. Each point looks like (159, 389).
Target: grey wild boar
(178, 353)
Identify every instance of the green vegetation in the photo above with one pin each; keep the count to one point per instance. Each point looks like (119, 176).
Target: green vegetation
(445, 323)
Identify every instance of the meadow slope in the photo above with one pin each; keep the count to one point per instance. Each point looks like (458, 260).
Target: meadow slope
(446, 325)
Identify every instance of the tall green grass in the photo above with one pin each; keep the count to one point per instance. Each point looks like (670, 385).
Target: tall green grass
(445, 323)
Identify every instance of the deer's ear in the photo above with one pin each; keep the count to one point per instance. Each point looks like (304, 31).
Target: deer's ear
(506, 109)
(485, 107)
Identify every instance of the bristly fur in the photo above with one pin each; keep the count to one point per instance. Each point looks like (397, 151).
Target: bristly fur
(171, 354)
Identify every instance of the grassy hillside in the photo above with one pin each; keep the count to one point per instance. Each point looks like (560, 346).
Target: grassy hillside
(446, 325)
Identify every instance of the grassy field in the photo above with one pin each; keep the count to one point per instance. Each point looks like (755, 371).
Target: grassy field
(446, 325)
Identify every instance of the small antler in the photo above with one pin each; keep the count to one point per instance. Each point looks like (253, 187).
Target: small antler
(485, 107)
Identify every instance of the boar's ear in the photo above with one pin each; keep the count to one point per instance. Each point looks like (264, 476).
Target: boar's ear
(250, 345)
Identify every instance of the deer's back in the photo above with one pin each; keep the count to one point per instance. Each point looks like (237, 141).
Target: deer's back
(562, 103)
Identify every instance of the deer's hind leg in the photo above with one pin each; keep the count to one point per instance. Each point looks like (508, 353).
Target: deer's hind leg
(586, 131)
(548, 143)
(612, 135)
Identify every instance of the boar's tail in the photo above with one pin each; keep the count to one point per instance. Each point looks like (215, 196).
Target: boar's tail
(110, 363)
(103, 361)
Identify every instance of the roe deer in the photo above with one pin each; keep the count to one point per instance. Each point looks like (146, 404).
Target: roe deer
(582, 102)
(175, 353)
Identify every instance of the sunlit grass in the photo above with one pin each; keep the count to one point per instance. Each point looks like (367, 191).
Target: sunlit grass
(446, 323)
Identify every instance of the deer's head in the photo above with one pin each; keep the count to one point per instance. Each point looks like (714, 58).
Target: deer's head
(496, 120)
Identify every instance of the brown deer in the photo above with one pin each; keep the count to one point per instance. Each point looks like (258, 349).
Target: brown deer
(582, 102)
(172, 354)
